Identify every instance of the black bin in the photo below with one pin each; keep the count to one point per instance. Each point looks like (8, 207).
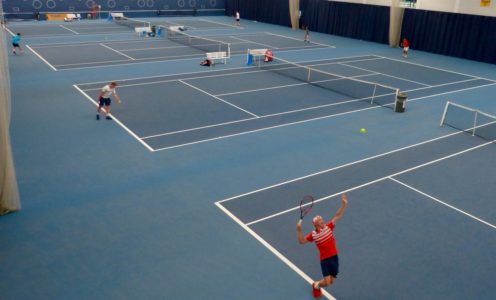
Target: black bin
(400, 104)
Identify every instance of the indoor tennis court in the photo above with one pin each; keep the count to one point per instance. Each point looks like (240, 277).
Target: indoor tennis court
(193, 189)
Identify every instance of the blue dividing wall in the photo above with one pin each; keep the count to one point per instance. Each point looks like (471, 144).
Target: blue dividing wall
(52, 6)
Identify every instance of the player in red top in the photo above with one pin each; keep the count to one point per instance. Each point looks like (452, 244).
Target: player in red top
(406, 46)
(323, 236)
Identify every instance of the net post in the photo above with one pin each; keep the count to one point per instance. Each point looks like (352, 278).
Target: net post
(443, 117)
(475, 123)
(373, 94)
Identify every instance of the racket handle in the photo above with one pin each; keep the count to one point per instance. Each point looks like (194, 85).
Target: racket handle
(299, 222)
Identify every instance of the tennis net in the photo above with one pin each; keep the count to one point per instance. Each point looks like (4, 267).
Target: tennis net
(131, 23)
(370, 92)
(174, 34)
(469, 120)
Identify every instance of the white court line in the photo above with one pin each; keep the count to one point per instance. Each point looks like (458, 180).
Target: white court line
(252, 42)
(446, 84)
(449, 92)
(75, 32)
(338, 61)
(153, 48)
(340, 167)
(157, 59)
(434, 68)
(292, 38)
(370, 182)
(138, 60)
(43, 37)
(387, 75)
(208, 72)
(199, 72)
(222, 100)
(312, 83)
(444, 203)
(184, 78)
(117, 51)
(273, 250)
(262, 129)
(8, 30)
(40, 57)
(261, 117)
(263, 89)
(115, 119)
(68, 44)
(196, 128)
(294, 267)
(89, 63)
(304, 121)
(219, 23)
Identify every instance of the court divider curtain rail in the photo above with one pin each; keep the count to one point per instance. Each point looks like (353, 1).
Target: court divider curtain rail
(395, 23)
(9, 192)
(267, 11)
(358, 21)
(294, 12)
(460, 35)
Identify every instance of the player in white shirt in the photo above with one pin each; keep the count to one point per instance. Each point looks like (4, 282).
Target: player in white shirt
(104, 99)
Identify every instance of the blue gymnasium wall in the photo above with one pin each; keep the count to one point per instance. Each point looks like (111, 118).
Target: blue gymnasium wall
(268, 11)
(359, 21)
(53, 6)
(465, 36)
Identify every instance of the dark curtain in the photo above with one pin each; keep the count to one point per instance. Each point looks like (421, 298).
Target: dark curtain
(267, 11)
(358, 21)
(465, 36)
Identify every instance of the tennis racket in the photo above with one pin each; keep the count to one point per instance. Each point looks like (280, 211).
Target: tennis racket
(306, 205)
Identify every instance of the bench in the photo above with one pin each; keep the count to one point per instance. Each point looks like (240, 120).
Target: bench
(117, 15)
(142, 31)
(222, 55)
(72, 17)
(257, 54)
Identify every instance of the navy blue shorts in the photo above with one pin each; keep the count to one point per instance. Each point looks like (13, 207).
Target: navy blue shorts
(15, 45)
(104, 101)
(330, 266)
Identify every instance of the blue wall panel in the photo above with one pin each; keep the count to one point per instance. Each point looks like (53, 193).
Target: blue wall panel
(30, 6)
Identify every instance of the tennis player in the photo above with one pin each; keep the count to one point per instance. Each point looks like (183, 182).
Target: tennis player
(406, 46)
(306, 36)
(104, 99)
(323, 236)
(16, 40)
(237, 18)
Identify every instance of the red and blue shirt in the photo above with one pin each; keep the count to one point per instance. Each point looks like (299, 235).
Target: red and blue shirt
(324, 240)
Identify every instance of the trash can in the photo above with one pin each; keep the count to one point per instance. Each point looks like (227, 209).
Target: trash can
(400, 104)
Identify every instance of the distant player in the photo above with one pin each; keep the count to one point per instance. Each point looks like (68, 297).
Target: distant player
(238, 18)
(306, 35)
(406, 47)
(104, 99)
(323, 236)
(16, 40)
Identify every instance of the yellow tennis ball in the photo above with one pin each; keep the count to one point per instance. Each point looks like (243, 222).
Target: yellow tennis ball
(363, 130)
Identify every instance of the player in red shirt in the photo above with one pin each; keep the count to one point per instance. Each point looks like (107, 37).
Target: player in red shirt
(323, 236)
(406, 46)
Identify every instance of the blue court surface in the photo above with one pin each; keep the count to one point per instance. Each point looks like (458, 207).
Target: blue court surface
(192, 191)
